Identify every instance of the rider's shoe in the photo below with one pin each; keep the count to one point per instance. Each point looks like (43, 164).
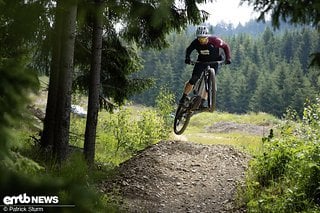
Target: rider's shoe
(183, 100)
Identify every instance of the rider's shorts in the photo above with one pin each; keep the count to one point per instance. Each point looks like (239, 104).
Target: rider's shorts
(197, 70)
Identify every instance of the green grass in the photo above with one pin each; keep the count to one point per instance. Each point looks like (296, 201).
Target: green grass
(44, 81)
(246, 142)
(196, 131)
(252, 118)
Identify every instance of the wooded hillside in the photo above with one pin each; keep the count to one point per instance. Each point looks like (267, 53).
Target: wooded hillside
(269, 71)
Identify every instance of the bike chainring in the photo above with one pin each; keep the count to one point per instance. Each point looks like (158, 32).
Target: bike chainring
(195, 102)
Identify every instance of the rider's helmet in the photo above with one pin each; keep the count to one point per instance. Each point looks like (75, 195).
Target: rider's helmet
(202, 34)
(202, 31)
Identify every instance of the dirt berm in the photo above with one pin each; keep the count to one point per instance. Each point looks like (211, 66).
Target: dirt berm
(179, 176)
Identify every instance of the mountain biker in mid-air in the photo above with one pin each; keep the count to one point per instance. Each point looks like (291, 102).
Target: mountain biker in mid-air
(208, 48)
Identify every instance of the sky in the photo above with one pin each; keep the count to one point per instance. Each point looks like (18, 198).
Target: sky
(229, 11)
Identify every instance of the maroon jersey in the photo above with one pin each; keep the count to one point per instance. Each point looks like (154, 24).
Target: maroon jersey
(210, 51)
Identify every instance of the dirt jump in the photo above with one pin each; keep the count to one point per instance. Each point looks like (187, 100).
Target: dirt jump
(180, 176)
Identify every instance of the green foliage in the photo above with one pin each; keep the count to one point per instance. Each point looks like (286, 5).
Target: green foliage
(144, 24)
(119, 62)
(125, 131)
(165, 106)
(80, 189)
(293, 11)
(20, 164)
(153, 128)
(128, 131)
(269, 72)
(73, 183)
(122, 133)
(15, 84)
(286, 176)
(148, 23)
(24, 27)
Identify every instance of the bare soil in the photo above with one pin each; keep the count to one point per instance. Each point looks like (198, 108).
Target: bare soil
(180, 176)
(227, 127)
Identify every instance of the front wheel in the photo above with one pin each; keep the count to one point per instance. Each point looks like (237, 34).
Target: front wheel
(212, 91)
(181, 120)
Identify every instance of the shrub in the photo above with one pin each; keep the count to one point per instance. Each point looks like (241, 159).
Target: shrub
(286, 176)
(165, 106)
(123, 133)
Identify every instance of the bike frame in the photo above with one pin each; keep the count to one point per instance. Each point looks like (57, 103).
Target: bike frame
(206, 82)
(205, 88)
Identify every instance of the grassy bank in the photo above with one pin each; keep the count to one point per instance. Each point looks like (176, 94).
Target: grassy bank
(202, 127)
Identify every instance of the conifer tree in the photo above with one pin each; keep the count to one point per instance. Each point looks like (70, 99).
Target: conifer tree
(57, 120)
(295, 12)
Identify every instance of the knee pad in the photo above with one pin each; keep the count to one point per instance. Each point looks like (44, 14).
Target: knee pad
(193, 79)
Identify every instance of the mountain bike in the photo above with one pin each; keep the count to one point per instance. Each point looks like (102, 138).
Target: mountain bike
(205, 88)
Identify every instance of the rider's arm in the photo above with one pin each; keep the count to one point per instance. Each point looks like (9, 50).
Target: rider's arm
(190, 48)
(218, 42)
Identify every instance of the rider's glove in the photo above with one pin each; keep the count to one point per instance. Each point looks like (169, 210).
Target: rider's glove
(228, 61)
(187, 61)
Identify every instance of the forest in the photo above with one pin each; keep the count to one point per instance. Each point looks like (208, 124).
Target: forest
(104, 54)
(269, 73)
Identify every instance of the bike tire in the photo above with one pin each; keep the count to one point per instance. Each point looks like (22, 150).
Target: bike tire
(212, 91)
(181, 120)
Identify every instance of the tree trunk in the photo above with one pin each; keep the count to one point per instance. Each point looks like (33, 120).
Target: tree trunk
(62, 124)
(47, 137)
(94, 85)
(57, 121)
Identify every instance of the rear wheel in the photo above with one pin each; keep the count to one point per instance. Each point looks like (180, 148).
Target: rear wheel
(212, 91)
(181, 120)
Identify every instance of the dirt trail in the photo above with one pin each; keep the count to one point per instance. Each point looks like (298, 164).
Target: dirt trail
(180, 176)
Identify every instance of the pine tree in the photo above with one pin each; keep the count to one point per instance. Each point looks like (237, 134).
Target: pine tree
(225, 91)
(288, 45)
(240, 87)
(94, 85)
(306, 48)
(295, 12)
(265, 97)
(57, 120)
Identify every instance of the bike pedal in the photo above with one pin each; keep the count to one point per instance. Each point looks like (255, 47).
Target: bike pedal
(196, 103)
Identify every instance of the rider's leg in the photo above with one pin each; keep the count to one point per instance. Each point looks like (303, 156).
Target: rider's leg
(189, 85)
(187, 89)
(216, 68)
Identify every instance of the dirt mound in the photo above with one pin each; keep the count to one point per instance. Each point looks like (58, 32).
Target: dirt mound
(176, 176)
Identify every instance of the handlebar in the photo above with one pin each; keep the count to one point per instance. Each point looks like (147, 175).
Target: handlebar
(207, 63)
